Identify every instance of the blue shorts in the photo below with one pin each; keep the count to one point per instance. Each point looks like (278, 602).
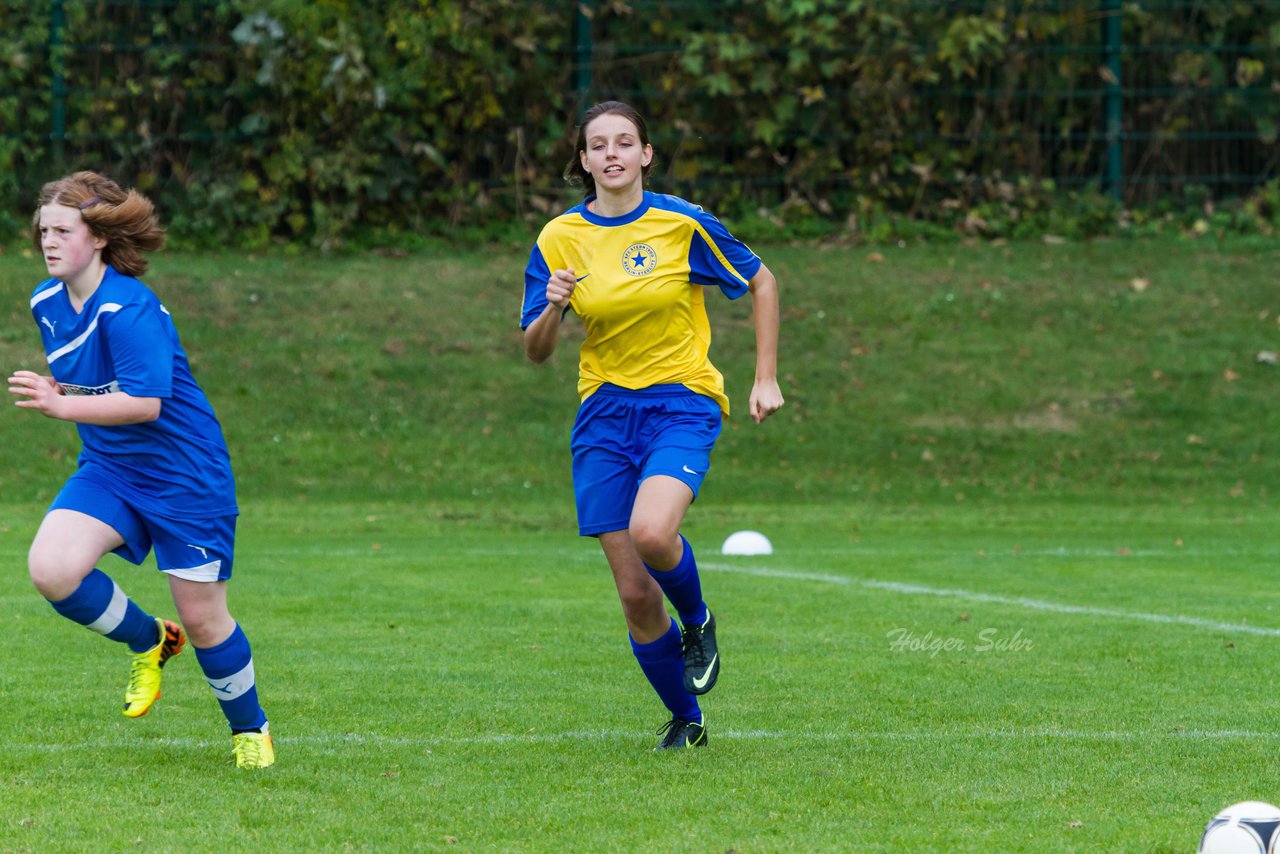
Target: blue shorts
(622, 436)
(194, 549)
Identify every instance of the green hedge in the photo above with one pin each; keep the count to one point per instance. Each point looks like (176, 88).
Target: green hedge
(315, 123)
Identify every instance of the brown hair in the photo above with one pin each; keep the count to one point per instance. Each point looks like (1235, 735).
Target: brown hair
(573, 171)
(126, 219)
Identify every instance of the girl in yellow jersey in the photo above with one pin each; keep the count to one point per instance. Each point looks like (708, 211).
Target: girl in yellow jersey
(635, 266)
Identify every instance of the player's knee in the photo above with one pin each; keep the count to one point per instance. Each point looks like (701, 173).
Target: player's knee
(53, 573)
(653, 542)
(199, 626)
(640, 602)
(202, 633)
(206, 624)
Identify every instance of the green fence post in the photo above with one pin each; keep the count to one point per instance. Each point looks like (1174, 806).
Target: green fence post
(582, 54)
(57, 65)
(1111, 38)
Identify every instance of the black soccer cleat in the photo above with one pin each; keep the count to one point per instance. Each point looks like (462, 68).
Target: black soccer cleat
(701, 656)
(679, 733)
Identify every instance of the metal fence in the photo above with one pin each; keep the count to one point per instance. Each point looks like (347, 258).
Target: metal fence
(1139, 111)
(92, 85)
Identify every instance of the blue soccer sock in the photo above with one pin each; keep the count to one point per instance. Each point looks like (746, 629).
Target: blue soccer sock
(683, 587)
(663, 664)
(99, 604)
(229, 669)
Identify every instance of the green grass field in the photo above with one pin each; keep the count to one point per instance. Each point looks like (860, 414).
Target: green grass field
(1024, 527)
(1078, 681)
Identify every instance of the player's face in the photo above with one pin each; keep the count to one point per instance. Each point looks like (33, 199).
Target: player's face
(615, 156)
(69, 247)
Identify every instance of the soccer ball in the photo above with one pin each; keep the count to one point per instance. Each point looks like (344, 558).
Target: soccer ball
(747, 543)
(1249, 827)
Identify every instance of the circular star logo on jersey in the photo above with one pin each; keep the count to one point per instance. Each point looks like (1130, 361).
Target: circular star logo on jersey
(639, 259)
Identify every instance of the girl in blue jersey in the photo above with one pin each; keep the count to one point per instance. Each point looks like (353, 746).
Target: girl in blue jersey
(154, 473)
(635, 267)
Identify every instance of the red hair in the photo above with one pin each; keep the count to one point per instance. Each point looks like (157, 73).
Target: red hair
(126, 219)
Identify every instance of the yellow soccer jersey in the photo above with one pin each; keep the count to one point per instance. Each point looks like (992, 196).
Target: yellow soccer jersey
(640, 293)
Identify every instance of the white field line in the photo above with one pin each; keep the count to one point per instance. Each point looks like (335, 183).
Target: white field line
(327, 741)
(976, 596)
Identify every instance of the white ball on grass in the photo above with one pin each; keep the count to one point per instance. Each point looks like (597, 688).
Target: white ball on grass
(1249, 827)
(747, 543)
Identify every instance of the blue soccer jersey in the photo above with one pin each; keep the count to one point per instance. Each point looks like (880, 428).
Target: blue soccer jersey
(641, 278)
(123, 339)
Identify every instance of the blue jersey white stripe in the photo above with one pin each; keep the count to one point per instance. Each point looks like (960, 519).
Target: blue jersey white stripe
(83, 336)
(41, 296)
(122, 340)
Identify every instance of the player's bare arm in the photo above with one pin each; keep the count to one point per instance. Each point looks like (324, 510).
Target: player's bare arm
(44, 395)
(540, 337)
(766, 396)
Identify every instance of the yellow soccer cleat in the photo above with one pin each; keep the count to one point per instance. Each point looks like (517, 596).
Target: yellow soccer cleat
(253, 749)
(144, 673)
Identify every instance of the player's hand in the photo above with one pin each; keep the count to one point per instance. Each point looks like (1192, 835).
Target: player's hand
(561, 286)
(766, 399)
(42, 394)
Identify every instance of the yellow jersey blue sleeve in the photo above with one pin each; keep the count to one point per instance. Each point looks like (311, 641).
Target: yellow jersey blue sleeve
(642, 279)
(536, 275)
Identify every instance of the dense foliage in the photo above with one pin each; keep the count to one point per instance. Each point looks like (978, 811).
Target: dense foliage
(328, 121)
